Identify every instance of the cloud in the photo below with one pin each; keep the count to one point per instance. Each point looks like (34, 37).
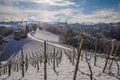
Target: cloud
(66, 14)
(48, 2)
(14, 13)
(9, 9)
(55, 2)
(104, 15)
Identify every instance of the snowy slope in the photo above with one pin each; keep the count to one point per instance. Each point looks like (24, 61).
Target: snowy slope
(11, 48)
(45, 35)
(65, 71)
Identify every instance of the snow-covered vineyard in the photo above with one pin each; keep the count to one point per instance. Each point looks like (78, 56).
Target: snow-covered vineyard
(28, 60)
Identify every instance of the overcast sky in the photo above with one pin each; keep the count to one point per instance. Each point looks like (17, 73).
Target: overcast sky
(92, 11)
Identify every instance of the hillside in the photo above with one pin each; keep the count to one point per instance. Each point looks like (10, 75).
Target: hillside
(65, 72)
(34, 49)
(45, 35)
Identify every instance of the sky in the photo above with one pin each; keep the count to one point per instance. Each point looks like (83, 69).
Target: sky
(74, 11)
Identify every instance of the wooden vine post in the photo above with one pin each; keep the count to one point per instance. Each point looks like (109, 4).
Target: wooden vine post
(37, 63)
(45, 62)
(73, 56)
(26, 63)
(109, 54)
(95, 58)
(113, 59)
(9, 68)
(54, 60)
(78, 57)
(22, 65)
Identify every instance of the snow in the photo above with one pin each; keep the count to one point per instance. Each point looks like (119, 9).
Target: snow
(34, 47)
(30, 35)
(65, 71)
(12, 47)
(6, 25)
(30, 46)
(45, 35)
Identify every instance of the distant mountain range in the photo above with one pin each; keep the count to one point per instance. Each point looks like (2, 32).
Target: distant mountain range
(45, 24)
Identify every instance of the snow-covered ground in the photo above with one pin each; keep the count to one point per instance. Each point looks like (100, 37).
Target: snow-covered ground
(45, 35)
(65, 70)
(11, 48)
(30, 36)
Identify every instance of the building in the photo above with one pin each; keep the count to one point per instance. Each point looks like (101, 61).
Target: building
(20, 33)
(17, 35)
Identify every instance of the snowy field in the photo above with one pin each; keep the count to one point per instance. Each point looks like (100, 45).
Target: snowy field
(65, 71)
(45, 35)
(34, 49)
